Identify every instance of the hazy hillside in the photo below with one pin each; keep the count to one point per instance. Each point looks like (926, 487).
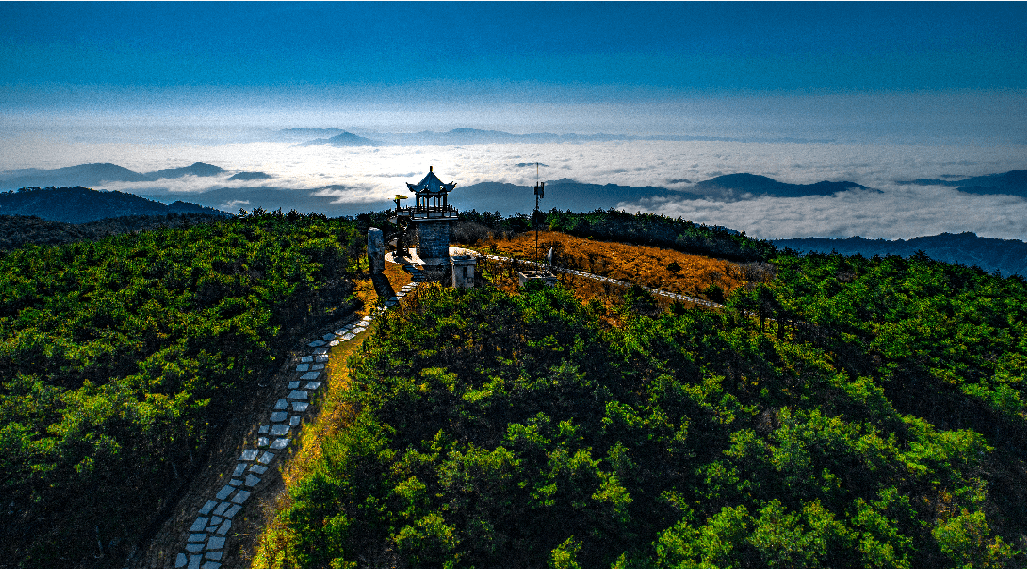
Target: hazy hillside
(78, 205)
(251, 176)
(343, 139)
(97, 174)
(739, 185)
(1006, 255)
(1011, 183)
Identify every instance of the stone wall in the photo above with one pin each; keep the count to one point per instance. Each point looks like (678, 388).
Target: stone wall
(376, 250)
(432, 239)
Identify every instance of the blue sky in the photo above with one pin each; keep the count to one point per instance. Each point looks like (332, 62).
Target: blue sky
(63, 55)
(873, 93)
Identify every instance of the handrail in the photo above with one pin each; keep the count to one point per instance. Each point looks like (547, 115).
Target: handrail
(428, 212)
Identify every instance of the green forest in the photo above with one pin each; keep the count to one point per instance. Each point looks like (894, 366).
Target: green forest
(842, 412)
(120, 357)
(850, 412)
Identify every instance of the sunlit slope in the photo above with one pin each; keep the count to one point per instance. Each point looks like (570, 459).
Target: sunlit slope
(652, 267)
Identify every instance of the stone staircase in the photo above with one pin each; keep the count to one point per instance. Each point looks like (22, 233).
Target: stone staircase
(206, 538)
(416, 275)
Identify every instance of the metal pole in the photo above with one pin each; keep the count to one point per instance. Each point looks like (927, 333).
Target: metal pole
(540, 190)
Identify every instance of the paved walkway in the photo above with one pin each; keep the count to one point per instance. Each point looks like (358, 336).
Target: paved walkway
(593, 276)
(213, 524)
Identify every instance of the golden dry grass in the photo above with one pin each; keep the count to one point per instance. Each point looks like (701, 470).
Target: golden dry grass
(639, 264)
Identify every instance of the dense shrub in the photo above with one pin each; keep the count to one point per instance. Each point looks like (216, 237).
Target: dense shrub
(121, 357)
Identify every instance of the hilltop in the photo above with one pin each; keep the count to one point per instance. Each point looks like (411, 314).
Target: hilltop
(751, 185)
(343, 139)
(834, 411)
(837, 411)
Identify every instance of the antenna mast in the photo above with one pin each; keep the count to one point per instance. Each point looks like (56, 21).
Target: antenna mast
(540, 192)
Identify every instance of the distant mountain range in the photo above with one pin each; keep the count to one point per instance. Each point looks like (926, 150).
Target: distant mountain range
(1006, 255)
(343, 139)
(96, 174)
(1012, 183)
(469, 136)
(742, 186)
(456, 136)
(572, 195)
(563, 194)
(79, 205)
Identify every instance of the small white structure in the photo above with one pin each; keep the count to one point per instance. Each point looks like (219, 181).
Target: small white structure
(463, 262)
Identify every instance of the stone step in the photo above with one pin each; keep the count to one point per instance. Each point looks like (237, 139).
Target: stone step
(209, 529)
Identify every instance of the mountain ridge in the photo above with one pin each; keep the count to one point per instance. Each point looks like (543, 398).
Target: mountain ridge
(763, 186)
(80, 205)
(1011, 183)
(1008, 256)
(344, 138)
(97, 173)
(466, 135)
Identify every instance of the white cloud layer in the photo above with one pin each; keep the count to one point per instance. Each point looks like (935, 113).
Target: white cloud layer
(894, 214)
(360, 175)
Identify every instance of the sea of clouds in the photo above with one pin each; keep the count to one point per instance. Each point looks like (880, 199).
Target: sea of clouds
(344, 180)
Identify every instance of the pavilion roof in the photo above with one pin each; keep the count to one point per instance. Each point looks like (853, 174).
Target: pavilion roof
(431, 185)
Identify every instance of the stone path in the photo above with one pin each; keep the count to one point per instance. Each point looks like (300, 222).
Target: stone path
(593, 276)
(213, 523)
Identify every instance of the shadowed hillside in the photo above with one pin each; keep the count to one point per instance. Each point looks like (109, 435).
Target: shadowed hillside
(19, 230)
(123, 358)
(79, 205)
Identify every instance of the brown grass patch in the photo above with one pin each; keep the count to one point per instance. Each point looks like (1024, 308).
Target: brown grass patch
(638, 264)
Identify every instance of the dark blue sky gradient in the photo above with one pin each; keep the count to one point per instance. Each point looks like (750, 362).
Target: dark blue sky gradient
(607, 50)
